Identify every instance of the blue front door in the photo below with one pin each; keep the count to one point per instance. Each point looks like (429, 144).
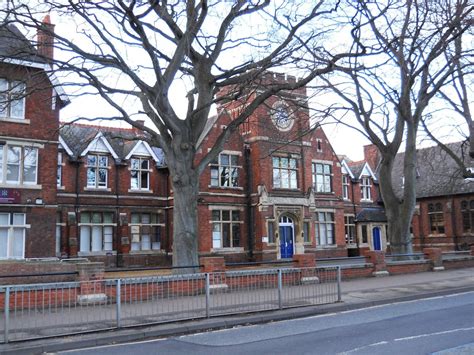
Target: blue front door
(286, 241)
(377, 238)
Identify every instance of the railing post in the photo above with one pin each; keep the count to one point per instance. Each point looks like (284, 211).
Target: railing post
(339, 294)
(118, 302)
(208, 295)
(280, 289)
(7, 313)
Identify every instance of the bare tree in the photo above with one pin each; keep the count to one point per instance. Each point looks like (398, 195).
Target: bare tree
(141, 49)
(458, 94)
(389, 89)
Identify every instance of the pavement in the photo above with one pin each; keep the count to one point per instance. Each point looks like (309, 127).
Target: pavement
(356, 294)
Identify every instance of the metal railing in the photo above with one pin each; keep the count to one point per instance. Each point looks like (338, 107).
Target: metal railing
(46, 310)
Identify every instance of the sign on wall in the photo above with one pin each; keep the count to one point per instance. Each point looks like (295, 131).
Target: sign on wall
(9, 196)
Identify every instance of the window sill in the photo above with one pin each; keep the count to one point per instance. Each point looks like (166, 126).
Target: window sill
(227, 250)
(97, 253)
(363, 200)
(147, 252)
(105, 189)
(138, 191)
(15, 120)
(324, 193)
(284, 189)
(321, 247)
(12, 186)
(226, 187)
(440, 235)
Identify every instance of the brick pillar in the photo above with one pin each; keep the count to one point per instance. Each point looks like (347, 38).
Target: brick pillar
(212, 264)
(304, 260)
(472, 250)
(436, 257)
(91, 285)
(376, 258)
(215, 266)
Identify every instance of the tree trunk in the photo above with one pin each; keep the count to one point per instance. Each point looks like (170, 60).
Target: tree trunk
(185, 184)
(185, 233)
(399, 212)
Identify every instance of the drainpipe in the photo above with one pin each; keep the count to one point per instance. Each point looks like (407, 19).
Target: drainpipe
(453, 226)
(76, 207)
(355, 215)
(250, 219)
(118, 237)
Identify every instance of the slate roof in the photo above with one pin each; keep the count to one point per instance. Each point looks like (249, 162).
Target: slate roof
(14, 45)
(437, 172)
(356, 168)
(371, 214)
(78, 136)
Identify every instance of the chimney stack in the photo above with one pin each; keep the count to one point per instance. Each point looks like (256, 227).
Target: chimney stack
(45, 39)
(371, 155)
(140, 124)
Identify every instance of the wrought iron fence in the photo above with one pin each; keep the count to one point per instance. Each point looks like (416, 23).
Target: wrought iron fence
(45, 310)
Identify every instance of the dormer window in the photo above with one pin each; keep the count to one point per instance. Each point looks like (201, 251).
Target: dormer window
(140, 173)
(97, 171)
(365, 188)
(12, 99)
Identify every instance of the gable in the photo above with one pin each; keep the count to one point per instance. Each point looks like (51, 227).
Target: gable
(99, 145)
(142, 149)
(346, 170)
(367, 171)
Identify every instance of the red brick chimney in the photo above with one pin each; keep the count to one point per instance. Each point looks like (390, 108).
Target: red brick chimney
(371, 155)
(138, 128)
(45, 39)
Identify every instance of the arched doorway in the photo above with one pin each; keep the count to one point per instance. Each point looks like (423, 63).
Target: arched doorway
(287, 235)
(377, 238)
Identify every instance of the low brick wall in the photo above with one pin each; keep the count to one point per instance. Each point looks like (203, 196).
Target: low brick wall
(356, 271)
(22, 271)
(408, 267)
(458, 263)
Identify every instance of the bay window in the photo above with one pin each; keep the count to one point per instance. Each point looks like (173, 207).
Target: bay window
(96, 230)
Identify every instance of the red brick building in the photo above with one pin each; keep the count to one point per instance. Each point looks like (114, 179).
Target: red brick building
(29, 121)
(276, 189)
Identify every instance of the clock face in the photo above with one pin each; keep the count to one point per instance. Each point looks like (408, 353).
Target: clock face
(281, 117)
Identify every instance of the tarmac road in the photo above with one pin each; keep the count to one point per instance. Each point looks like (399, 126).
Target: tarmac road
(414, 327)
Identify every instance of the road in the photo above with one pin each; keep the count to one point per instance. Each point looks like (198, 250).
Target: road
(416, 327)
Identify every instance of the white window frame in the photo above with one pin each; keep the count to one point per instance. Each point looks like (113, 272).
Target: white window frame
(91, 226)
(326, 187)
(348, 226)
(7, 97)
(322, 231)
(346, 184)
(365, 188)
(217, 228)
(10, 227)
(136, 232)
(4, 149)
(59, 173)
(222, 179)
(280, 170)
(97, 167)
(139, 172)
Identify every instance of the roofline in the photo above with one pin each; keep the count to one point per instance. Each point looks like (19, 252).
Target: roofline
(106, 143)
(46, 67)
(346, 166)
(147, 147)
(65, 146)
